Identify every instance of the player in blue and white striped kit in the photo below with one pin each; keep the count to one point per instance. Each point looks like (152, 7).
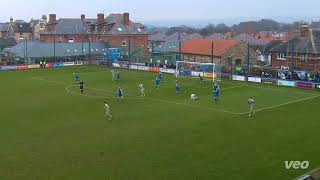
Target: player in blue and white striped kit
(177, 88)
(216, 91)
(120, 94)
(157, 81)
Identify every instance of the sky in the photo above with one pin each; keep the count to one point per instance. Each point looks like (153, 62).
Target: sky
(151, 11)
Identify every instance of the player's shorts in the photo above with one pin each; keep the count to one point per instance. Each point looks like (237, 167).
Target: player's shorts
(108, 113)
(251, 108)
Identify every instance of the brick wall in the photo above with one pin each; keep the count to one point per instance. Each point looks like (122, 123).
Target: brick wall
(18, 36)
(238, 54)
(311, 64)
(199, 58)
(115, 41)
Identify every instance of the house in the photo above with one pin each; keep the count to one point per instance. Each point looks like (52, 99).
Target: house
(269, 36)
(224, 51)
(22, 31)
(157, 38)
(117, 30)
(251, 40)
(38, 26)
(6, 29)
(264, 52)
(299, 53)
(215, 36)
(182, 37)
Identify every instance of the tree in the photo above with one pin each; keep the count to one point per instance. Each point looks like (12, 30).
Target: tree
(222, 28)
(208, 30)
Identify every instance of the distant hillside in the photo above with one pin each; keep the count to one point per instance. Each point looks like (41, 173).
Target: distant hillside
(242, 27)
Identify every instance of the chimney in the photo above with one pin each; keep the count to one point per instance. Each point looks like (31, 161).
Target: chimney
(11, 20)
(304, 31)
(52, 22)
(126, 19)
(44, 18)
(100, 18)
(83, 17)
(52, 18)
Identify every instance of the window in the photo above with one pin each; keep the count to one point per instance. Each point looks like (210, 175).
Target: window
(124, 43)
(139, 30)
(303, 57)
(71, 40)
(120, 29)
(281, 56)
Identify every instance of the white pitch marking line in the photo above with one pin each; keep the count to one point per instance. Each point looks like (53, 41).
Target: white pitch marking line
(173, 102)
(153, 99)
(85, 95)
(188, 105)
(309, 173)
(270, 88)
(283, 104)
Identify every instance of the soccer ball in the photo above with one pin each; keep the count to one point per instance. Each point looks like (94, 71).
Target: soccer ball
(193, 97)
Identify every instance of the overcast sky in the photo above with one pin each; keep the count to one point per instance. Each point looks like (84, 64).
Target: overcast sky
(151, 10)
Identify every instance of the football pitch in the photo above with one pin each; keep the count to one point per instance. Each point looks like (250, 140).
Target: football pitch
(49, 130)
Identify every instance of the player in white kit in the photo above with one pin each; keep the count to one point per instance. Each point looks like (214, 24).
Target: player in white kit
(107, 111)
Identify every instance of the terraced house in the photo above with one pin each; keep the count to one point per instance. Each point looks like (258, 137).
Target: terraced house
(6, 29)
(300, 53)
(117, 30)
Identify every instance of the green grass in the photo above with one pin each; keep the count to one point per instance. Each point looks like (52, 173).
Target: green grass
(49, 131)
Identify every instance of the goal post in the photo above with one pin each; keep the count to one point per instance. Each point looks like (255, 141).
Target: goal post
(196, 69)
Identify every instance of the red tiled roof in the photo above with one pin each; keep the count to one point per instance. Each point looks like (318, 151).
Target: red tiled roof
(204, 46)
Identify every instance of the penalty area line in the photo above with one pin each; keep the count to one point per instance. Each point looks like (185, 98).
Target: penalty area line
(148, 98)
(67, 89)
(188, 105)
(283, 104)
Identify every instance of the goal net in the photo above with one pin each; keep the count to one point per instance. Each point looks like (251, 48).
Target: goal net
(196, 69)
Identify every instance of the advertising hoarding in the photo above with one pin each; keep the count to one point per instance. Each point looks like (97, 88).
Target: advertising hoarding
(238, 78)
(255, 79)
(286, 83)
